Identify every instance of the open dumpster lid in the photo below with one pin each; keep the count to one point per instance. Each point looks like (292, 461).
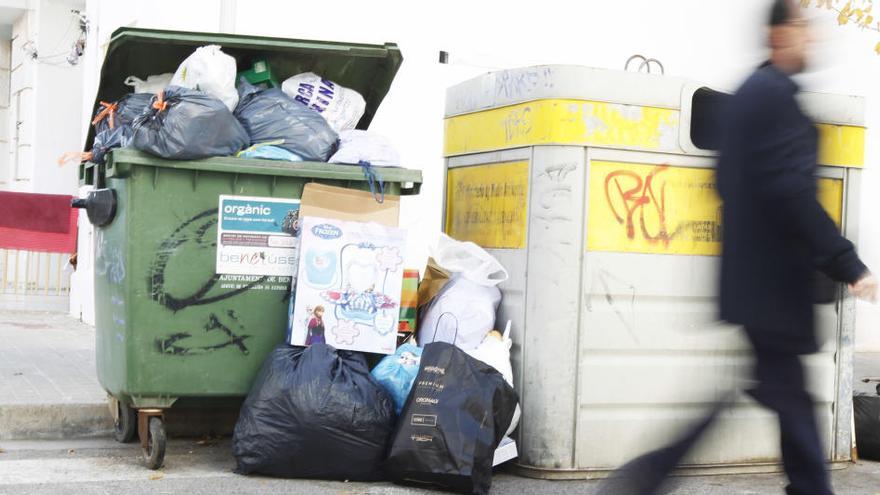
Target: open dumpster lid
(368, 69)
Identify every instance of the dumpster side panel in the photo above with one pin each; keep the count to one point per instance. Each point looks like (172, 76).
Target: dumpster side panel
(550, 340)
(112, 320)
(188, 332)
(653, 356)
(515, 165)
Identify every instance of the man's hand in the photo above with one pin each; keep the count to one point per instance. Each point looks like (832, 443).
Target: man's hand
(865, 288)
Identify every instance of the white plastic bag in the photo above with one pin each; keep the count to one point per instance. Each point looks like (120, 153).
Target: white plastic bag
(495, 351)
(464, 310)
(472, 261)
(211, 71)
(356, 146)
(341, 106)
(461, 314)
(153, 84)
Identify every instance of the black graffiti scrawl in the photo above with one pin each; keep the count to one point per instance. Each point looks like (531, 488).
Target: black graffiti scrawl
(217, 336)
(193, 230)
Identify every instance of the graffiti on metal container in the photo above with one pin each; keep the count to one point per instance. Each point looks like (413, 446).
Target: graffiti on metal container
(638, 201)
(518, 124)
(214, 336)
(193, 230)
(629, 194)
(518, 83)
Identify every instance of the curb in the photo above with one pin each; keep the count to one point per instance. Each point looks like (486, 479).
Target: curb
(54, 421)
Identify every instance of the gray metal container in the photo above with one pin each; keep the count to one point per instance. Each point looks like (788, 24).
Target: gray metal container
(588, 186)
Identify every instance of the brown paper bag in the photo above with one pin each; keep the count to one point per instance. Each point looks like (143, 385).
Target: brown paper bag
(339, 203)
(432, 283)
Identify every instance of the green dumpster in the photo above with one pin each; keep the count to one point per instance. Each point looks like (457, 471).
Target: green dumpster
(169, 329)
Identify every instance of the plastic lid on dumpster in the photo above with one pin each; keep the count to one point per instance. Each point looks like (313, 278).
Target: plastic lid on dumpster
(368, 69)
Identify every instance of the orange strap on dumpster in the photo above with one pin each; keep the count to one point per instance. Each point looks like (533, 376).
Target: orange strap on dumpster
(107, 112)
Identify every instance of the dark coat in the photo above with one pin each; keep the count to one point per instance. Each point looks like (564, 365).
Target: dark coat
(775, 231)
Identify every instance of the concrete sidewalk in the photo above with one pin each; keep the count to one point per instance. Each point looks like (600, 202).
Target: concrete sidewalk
(48, 385)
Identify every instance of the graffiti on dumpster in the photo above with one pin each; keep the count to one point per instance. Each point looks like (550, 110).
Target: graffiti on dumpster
(109, 261)
(216, 336)
(653, 209)
(637, 195)
(194, 230)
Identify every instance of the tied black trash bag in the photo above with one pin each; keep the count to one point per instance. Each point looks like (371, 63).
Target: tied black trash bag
(456, 414)
(107, 140)
(113, 124)
(270, 115)
(866, 409)
(314, 412)
(186, 124)
(121, 113)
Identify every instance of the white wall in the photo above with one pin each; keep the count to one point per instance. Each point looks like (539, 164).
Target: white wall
(44, 100)
(714, 42)
(59, 93)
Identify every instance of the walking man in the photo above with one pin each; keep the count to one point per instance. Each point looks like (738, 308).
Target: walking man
(775, 236)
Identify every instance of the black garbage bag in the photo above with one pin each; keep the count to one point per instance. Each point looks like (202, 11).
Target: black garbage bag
(120, 113)
(866, 409)
(456, 414)
(271, 115)
(314, 412)
(107, 140)
(187, 124)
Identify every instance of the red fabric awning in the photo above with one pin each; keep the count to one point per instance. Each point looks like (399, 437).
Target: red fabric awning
(37, 222)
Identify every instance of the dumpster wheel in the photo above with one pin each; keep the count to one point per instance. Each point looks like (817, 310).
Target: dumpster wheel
(154, 453)
(151, 429)
(125, 424)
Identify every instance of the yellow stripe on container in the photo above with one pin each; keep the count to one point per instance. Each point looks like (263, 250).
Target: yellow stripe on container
(563, 122)
(590, 123)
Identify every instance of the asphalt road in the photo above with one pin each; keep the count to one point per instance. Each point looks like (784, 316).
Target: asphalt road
(195, 467)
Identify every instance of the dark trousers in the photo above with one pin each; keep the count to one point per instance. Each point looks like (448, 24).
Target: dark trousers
(781, 388)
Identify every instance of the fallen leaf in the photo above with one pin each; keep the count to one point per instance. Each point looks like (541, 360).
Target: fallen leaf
(71, 451)
(877, 48)
(2, 451)
(156, 476)
(805, 3)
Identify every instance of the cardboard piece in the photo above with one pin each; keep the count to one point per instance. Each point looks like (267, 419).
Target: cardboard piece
(349, 290)
(339, 203)
(432, 283)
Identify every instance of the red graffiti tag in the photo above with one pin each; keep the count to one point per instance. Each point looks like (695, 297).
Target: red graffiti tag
(638, 195)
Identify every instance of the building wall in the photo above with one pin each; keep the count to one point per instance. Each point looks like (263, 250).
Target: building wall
(40, 106)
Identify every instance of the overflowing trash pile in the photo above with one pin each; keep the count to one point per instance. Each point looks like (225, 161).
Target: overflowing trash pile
(432, 412)
(207, 108)
(384, 375)
(434, 409)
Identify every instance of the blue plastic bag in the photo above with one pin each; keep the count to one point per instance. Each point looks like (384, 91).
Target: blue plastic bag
(269, 151)
(397, 372)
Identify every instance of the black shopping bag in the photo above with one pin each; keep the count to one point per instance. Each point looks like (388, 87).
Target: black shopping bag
(456, 414)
